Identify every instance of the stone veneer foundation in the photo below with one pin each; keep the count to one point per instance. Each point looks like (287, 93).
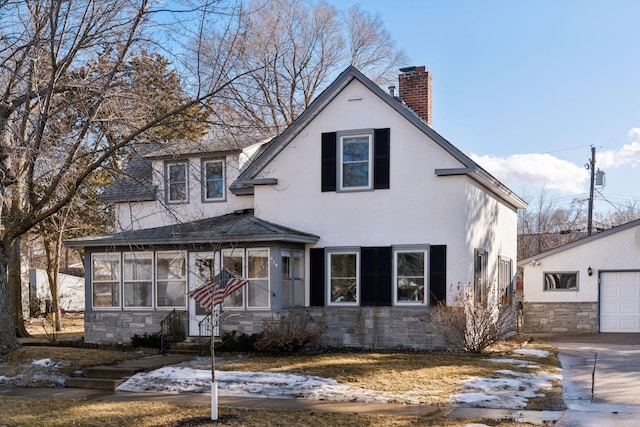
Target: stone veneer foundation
(560, 317)
(357, 327)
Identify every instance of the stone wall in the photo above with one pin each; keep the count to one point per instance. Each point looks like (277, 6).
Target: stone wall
(365, 327)
(117, 327)
(560, 317)
(357, 327)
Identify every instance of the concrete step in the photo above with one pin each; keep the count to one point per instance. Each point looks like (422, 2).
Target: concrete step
(93, 383)
(109, 372)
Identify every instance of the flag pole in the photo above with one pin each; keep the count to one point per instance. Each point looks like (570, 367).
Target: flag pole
(214, 384)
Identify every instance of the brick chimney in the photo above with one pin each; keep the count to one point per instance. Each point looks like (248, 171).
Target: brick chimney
(415, 90)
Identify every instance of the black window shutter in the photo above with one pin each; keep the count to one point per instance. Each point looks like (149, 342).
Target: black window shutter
(375, 276)
(316, 276)
(381, 156)
(329, 162)
(438, 274)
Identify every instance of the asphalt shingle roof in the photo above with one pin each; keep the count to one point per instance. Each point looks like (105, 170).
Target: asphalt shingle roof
(237, 227)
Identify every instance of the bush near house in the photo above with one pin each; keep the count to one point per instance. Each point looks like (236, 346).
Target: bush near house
(290, 332)
(475, 320)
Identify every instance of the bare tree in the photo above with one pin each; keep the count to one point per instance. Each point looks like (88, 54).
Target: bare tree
(61, 70)
(298, 47)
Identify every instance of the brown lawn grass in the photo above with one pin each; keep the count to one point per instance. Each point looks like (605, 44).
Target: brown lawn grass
(58, 413)
(432, 376)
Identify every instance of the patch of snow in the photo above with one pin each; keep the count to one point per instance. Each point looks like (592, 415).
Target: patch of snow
(504, 392)
(532, 352)
(517, 362)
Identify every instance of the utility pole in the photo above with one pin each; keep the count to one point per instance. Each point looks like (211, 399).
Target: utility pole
(592, 166)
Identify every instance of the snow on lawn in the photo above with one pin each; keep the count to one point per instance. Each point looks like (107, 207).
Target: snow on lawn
(194, 377)
(511, 389)
(38, 373)
(532, 352)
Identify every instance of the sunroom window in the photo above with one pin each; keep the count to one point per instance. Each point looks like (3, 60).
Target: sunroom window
(138, 279)
(105, 279)
(171, 279)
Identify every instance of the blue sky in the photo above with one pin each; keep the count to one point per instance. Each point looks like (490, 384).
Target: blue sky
(527, 87)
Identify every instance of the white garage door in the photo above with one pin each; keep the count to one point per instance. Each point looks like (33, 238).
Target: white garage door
(620, 301)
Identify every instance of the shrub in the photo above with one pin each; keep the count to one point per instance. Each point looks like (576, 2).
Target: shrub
(235, 342)
(290, 332)
(147, 340)
(474, 322)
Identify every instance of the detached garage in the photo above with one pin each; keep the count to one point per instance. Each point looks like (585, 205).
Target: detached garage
(590, 285)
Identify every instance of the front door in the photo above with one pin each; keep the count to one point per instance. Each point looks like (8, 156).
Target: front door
(202, 268)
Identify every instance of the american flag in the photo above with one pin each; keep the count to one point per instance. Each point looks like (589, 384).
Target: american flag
(222, 285)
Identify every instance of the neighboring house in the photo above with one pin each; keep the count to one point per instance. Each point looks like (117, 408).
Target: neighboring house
(359, 212)
(590, 285)
(71, 291)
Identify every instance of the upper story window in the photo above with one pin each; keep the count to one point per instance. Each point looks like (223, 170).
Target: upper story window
(480, 273)
(356, 170)
(177, 182)
(213, 180)
(561, 281)
(355, 160)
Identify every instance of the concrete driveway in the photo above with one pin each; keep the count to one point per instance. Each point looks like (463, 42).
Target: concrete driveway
(601, 378)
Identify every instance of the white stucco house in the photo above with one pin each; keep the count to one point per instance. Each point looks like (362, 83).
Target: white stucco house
(590, 285)
(359, 212)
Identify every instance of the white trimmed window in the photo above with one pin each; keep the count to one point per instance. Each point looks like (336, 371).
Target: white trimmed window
(213, 180)
(233, 260)
(561, 281)
(410, 276)
(105, 280)
(138, 279)
(258, 293)
(177, 182)
(171, 279)
(343, 269)
(355, 162)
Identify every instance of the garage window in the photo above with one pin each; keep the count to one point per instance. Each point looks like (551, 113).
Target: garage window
(561, 281)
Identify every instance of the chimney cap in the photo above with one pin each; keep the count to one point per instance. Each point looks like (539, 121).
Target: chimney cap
(413, 68)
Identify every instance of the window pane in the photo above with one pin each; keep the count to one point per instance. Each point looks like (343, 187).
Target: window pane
(205, 269)
(258, 264)
(410, 276)
(106, 294)
(258, 293)
(343, 277)
(171, 265)
(137, 266)
(106, 267)
(355, 149)
(561, 281)
(232, 261)
(177, 181)
(355, 175)
(214, 180)
(411, 264)
(171, 294)
(137, 294)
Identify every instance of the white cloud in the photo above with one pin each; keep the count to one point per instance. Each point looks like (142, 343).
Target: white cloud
(629, 154)
(539, 170)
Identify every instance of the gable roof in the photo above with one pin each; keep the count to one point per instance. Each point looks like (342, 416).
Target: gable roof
(237, 227)
(582, 241)
(244, 183)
